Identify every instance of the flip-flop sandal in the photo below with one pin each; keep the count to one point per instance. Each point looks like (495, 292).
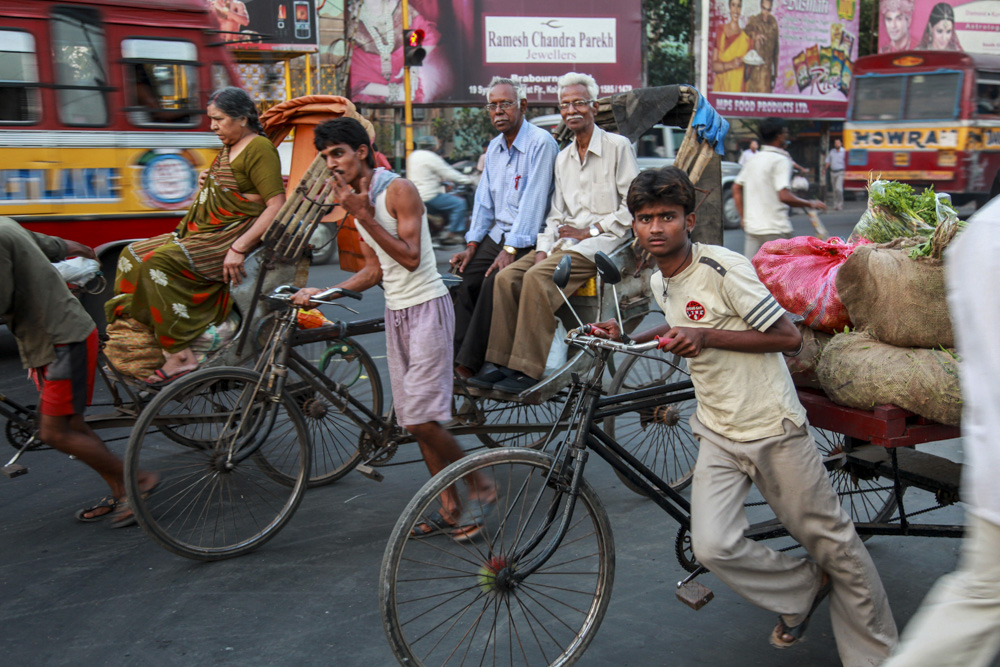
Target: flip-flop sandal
(110, 503)
(435, 524)
(472, 522)
(166, 379)
(124, 516)
(798, 631)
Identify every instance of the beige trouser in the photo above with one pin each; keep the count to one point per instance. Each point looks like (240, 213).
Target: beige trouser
(525, 301)
(789, 473)
(837, 185)
(958, 623)
(753, 242)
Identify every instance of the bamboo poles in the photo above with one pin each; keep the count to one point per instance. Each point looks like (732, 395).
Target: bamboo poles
(292, 228)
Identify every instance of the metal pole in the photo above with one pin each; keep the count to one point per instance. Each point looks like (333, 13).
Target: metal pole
(407, 106)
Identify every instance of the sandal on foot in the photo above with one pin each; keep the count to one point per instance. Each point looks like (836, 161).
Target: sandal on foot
(123, 516)
(472, 522)
(798, 631)
(435, 524)
(109, 503)
(163, 379)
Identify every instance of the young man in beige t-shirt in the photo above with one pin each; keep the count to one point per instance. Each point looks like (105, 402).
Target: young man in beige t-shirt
(752, 430)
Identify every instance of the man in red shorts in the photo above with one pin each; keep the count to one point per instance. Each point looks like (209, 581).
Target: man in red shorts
(57, 340)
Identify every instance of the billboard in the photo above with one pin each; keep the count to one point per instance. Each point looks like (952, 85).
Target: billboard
(789, 58)
(285, 25)
(470, 41)
(939, 25)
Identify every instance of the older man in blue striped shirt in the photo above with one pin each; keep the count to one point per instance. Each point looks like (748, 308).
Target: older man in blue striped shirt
(509, 211)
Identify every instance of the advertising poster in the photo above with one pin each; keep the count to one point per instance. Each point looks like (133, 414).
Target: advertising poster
(470, 41)
(939, 25)
(285, 25)
(789, 58)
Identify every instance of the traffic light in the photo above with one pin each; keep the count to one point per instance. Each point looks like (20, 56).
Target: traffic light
(413, 48)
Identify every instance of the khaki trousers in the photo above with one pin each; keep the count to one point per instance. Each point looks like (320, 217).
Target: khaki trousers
(958, 623)
(789, 473)
(525, 301)
(837, 185)
(753, 242)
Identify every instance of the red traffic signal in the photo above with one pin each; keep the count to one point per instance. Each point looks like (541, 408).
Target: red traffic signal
(413, 48)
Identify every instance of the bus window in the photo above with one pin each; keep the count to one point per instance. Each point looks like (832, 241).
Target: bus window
(932, 96)
(877, 97)
(19, 100)
(161, 82)
(988, 93)
(79, 54)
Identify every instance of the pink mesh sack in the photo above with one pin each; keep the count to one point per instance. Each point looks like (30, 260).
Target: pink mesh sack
(801, 273)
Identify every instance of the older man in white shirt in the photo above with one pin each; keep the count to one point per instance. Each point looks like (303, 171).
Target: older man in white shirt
(588, 214)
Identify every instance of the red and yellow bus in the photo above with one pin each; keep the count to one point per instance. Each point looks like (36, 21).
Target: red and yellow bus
(102, 123)
(925, 118)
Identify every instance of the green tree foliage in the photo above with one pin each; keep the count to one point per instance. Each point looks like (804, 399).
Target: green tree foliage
(668, 32)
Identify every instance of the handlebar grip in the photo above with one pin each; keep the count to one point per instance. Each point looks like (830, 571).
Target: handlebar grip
(351, 294)
(663, 342)
(589, 329)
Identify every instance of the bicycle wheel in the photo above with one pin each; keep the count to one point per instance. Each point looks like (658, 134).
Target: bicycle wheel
(335, 436)
(497, 412)
(660, 437)
(462, 604)
(867, 497)
(208, 506)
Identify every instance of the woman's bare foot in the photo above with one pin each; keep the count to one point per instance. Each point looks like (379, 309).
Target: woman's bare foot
(177, 363)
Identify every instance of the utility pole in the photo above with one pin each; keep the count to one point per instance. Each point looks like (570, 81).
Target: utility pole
(407, 104)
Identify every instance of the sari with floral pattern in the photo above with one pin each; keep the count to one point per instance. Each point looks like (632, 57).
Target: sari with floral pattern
(173, 283)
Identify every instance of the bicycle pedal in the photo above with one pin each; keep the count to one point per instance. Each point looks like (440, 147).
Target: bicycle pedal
(14, 470)
(694, 594)
(370, 472)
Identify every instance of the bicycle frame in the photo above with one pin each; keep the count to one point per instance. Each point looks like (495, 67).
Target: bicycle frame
(591, 407)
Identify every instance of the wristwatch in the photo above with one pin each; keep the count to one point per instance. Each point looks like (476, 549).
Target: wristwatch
(510, 249)
(595, 230)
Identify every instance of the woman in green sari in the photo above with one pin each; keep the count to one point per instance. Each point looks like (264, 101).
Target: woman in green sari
(178, 283)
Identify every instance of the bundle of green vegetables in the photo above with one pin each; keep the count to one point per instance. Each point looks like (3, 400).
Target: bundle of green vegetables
(896, 211)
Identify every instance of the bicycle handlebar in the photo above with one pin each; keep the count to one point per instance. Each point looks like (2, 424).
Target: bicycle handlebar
(285, 292)
(581, 339)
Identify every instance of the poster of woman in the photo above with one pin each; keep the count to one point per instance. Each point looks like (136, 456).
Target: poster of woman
(946, 25)
(731, 46)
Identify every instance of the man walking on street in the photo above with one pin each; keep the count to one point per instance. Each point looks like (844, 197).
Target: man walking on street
(588, 215)
(836, 162)
(511, 202)
(397, 252)
(57, 340)
(762, 193)
(752, 430)
(427, 171)
(958, 623)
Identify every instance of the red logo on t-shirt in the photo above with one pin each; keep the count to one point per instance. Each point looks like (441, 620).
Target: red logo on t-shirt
(694, 310)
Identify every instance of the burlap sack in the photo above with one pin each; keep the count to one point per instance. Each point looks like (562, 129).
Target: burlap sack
(860, 372)
(901, 301)
(803, 365)
(132, 348)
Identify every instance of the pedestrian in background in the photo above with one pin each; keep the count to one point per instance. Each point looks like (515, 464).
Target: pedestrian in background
(763, 193)
(836, 161)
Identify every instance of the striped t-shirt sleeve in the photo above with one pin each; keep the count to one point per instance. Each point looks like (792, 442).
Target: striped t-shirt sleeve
(749, 298)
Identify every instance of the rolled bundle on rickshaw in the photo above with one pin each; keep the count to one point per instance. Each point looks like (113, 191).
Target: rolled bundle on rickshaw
(882, 294)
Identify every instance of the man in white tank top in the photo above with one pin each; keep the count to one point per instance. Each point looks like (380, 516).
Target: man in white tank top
(397, 251)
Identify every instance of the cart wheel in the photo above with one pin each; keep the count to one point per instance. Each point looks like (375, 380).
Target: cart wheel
(232, 472)
(540, 417)
(867, 497)
(335, 437)
(445, 602)
(659, 437)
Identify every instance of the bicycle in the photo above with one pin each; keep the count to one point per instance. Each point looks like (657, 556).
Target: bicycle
(535, 585)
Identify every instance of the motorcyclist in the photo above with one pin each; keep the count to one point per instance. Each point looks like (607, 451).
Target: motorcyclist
(428, 171)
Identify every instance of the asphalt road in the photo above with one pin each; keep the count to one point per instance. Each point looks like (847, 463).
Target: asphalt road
(81, 594)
